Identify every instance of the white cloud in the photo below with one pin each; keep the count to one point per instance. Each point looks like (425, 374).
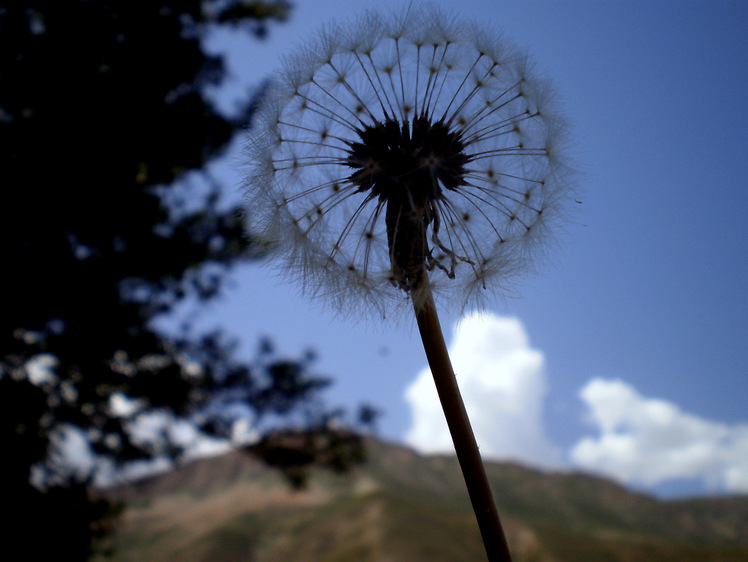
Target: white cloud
(649, 441)
(503, 384)
(40, 369)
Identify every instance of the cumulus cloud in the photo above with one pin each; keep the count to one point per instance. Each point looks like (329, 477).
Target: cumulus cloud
(503, 384)
(649, 441)
(639, 440)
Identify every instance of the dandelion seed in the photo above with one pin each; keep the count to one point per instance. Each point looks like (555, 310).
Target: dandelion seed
(406, 158)
(402, 146)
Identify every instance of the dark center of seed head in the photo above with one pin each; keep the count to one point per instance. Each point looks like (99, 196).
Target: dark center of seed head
(407, 166)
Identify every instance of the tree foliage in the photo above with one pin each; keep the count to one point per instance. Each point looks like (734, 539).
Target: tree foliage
(103, 113)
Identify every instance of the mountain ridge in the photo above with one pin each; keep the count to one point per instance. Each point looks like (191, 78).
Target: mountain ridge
(400, 505)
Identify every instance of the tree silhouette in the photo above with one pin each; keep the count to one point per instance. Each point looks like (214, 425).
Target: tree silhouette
(103, 112)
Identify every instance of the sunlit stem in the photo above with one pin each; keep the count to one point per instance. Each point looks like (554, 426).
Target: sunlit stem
(465, 445)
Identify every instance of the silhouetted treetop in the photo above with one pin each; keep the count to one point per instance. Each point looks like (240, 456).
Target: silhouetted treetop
(103, 114)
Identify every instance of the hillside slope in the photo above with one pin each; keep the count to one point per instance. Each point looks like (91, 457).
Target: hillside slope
(401, 506)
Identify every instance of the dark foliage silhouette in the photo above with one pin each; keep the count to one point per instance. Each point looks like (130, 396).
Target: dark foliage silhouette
(102, 112)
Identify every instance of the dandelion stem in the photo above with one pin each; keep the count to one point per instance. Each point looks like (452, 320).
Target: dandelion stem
(465, 445)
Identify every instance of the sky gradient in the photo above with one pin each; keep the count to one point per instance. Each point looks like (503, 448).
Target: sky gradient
(631, 349)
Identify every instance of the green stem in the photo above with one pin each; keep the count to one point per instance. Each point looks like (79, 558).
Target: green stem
(465, 445)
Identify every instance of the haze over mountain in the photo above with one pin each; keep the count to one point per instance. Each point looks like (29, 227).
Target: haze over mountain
(401, 506)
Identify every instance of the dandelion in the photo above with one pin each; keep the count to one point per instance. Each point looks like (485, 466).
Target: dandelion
(407, 158)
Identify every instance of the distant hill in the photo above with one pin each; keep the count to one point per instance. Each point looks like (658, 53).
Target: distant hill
(404, 507)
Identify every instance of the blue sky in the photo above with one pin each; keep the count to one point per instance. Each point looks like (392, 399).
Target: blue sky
(636, 336)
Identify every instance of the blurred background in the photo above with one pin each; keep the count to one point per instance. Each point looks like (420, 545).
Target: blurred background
(139, 331)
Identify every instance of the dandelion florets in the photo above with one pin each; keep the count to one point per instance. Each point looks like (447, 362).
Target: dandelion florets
(402, 149)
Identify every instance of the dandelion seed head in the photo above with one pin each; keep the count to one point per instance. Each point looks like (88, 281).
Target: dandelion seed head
(400, 148)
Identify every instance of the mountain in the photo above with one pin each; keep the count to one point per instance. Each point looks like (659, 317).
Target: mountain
(401, 506)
